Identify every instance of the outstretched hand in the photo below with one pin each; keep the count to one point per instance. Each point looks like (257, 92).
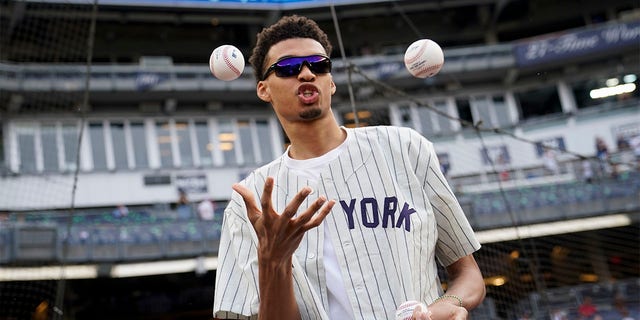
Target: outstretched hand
(421, 313)
(445, 310)
(280, 234)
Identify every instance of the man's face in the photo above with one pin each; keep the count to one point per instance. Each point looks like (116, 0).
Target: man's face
(302, 97)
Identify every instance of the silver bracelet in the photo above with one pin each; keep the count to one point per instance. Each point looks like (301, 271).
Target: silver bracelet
(449, 296)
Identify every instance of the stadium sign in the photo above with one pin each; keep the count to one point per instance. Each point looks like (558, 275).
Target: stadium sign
(559, 47)
(196, 183)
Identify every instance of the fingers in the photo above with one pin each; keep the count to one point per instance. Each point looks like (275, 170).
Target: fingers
(265, 199)
(253, 212)
(310, 213)
(309, 218)
(315, 214)
(444, 310)
(324, 211)
(291, 209)
(421, 313)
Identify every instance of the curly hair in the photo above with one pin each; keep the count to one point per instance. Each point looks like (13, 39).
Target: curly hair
(287, 27)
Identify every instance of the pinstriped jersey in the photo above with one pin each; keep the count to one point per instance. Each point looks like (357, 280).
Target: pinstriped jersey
(394, 219)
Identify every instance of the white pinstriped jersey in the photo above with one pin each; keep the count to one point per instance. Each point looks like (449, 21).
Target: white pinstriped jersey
(395, 215)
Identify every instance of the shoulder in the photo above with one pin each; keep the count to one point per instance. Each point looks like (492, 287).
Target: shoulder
(394, 136)
(380, 129)
(387, 132)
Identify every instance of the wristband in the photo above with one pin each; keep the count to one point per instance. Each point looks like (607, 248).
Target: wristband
(449, 296)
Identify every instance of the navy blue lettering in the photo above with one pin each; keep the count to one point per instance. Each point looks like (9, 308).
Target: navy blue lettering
(405, 216)
(374, 212)
(348, 209)
(390, 207)
(371, 215)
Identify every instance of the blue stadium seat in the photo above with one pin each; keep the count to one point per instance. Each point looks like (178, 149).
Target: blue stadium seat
(482, 204)
(141, 242)
(183, 238)
(105, 243)
(211, 231)
(78, 244)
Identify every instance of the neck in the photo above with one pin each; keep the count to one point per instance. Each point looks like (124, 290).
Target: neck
(311, 140)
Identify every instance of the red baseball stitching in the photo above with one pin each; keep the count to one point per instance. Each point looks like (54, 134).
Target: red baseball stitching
(428, 69)
(228, 62)
(423, 47)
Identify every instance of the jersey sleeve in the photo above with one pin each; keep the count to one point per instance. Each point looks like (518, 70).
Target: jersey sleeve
(456, 238)
(236, 287)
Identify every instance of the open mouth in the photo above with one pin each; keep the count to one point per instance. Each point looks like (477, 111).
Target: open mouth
(308, 94)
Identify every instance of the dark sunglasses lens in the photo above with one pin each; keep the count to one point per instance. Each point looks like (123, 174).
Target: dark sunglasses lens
(292, 66)
(288, 67)
(322, 66)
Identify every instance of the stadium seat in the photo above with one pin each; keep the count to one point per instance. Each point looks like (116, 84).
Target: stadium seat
(105, 243)
(183, 239)
(211, 232)
(35, 243)
(76, 247)
(141, 243)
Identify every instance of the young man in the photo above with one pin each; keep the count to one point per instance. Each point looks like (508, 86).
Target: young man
(348, 223)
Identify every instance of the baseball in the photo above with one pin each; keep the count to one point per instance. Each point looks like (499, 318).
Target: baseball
(226, 62)
(405, 310)
(424, 58)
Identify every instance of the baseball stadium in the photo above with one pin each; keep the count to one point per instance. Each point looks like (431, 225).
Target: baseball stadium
(119, 147)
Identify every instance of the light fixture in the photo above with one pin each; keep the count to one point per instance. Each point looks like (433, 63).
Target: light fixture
(495, 281)
(612, 91)
(361, 115)
(612, 82)
(48, 273)
(124, 270)
(629, 78)
(127, 270)
(226, 146)
(589, 277)
(551, 228)
(226, 136)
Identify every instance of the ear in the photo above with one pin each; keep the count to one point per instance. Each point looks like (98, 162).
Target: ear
(263, 92)
(333, 87)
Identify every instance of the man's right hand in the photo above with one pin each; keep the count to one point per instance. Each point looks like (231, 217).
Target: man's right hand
(279, 235)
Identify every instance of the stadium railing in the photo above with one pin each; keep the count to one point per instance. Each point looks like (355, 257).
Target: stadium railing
(95, 235)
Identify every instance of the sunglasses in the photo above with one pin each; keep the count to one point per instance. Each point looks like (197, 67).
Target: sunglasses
(292, 66)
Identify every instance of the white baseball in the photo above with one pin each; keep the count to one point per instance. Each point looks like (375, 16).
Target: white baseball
(226, 62)
(424, 58)
(405, 310)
